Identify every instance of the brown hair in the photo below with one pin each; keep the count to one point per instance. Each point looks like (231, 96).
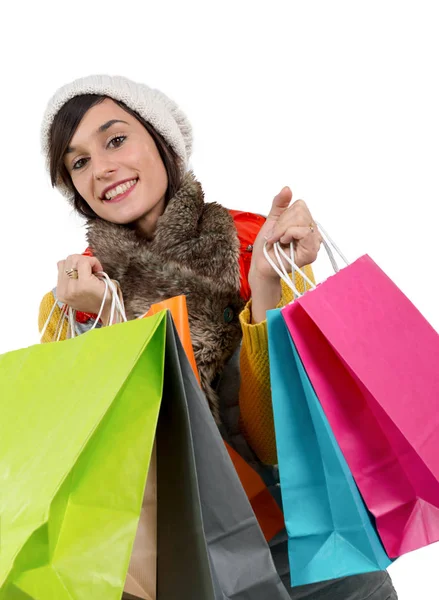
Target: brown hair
(62, 130)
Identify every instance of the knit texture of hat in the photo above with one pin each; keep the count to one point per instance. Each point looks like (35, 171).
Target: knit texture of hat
(156, 108)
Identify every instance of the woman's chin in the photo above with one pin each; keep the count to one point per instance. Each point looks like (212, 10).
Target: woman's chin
(135, 220)
(124, 215)
(130, 211)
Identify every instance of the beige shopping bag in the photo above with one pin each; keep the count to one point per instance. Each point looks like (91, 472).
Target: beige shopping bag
(141, 581)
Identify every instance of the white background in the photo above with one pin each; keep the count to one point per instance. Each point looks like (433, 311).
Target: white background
(339, 100)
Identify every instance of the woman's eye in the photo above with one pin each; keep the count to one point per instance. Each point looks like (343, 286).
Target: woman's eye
(117, 141)
(78, 164)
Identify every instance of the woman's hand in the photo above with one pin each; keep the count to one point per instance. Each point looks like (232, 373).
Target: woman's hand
(85, 293)
(284, 224)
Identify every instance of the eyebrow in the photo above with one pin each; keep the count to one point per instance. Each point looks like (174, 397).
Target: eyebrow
(100, 129)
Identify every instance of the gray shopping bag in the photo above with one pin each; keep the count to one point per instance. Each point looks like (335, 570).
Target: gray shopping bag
(210, 546)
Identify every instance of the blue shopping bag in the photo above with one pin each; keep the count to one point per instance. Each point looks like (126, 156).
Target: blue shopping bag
(330, 531)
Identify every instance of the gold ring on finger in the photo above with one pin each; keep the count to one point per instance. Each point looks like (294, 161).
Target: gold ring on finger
(311, 227)
(72, 273)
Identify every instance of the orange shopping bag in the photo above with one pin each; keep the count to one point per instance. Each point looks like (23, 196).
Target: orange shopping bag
(178, 308)
(265, 507)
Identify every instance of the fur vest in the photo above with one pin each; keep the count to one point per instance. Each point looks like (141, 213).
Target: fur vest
(194, 251)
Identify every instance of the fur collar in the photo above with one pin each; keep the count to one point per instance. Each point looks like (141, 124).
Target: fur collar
(195, 252)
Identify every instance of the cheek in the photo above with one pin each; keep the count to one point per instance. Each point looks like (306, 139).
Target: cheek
(147, 155)
(150, 165)
(82, 185)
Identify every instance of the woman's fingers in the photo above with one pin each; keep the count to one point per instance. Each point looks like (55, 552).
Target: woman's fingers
(87, 266)
(306, 244)
(85, 291)
(96, 266)
(280, 204)
(293, 233)
(296, 216)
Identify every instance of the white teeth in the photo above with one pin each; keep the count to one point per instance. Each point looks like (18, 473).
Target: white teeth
(120, 189)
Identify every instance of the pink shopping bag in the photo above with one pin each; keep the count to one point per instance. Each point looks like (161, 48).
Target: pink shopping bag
(373, 361)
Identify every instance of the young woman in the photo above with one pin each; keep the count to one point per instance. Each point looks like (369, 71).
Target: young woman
(119, 152)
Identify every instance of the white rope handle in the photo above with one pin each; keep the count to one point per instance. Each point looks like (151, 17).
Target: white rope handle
(280, 267)
(277, 250)
(327, 243)
(290, 260)
(282, 273)
(117, 311)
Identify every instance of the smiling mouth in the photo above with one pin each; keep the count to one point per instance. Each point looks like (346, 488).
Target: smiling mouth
(120, 191)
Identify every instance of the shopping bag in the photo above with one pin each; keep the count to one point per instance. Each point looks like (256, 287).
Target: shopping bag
(177, 306)
(141, 580)
(203, 481)
(268, 513)
(373, 361)
(330, 532)
(77, 431)
(266, 509)
(72, 495)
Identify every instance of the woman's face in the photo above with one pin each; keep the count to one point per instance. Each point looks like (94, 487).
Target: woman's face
(116, 167)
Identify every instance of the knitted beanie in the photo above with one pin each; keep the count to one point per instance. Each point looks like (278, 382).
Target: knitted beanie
(156, 108)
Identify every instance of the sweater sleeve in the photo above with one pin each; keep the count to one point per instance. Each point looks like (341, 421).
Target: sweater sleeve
(56, 325)
(257, 423)
(56, 329)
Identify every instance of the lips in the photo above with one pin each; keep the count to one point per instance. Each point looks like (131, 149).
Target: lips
(119, 190)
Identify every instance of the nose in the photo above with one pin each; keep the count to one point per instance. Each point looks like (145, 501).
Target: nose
(103, 167)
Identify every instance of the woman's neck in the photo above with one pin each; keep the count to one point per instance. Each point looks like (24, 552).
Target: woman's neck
(146, 225)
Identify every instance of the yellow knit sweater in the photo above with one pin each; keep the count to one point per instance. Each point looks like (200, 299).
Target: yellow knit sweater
(255, 392)
(257, 423)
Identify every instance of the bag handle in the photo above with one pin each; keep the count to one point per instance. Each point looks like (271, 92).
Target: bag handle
(280, 267)
(327, 243)
(117, 310)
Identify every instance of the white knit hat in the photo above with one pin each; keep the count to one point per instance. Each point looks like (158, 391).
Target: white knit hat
(156, 108)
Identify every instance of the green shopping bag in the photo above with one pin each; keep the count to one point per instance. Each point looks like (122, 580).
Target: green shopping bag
(79, 419)
(85, 413)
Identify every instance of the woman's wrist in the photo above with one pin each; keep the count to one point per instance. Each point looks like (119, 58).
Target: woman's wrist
(265, 293)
